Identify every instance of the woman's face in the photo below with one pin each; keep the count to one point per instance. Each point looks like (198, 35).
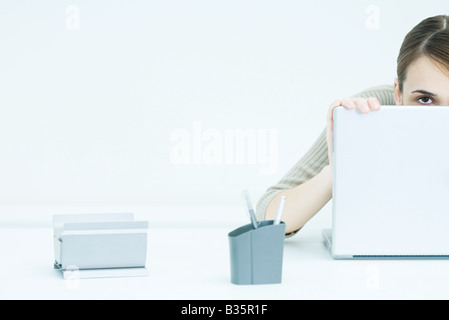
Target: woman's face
(425, 84)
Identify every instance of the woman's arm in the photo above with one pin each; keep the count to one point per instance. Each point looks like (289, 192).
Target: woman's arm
(308, 185)
(311, 196)
(303, 201)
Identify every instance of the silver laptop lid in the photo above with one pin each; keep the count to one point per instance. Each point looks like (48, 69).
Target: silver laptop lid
(391, 182)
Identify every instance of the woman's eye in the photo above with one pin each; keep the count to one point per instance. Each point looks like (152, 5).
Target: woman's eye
(425, 100)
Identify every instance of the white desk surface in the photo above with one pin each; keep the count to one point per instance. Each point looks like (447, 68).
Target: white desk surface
(189, 259)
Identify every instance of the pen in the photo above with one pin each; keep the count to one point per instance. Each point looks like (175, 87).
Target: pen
(280, 211)
(250, 209)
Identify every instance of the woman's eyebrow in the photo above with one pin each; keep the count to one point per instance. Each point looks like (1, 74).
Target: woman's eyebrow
(425, 92)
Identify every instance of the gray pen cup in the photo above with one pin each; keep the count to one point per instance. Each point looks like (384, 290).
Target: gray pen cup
(257, 254)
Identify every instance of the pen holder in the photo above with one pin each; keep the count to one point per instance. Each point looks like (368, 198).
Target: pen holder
(257, 254)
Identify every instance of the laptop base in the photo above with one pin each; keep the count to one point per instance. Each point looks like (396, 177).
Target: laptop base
(327, 241)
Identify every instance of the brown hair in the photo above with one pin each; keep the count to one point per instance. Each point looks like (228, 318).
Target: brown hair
(430, 38)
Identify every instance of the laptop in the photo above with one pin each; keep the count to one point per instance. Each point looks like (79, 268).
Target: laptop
(390, 184)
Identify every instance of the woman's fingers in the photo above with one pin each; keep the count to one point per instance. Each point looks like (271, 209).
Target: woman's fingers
(363, 105)
(333, 105)
(348, 103)
(373, 104)
(330, 123)
(330, 113)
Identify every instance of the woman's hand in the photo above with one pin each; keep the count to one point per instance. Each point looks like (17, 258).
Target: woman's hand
(364, 105)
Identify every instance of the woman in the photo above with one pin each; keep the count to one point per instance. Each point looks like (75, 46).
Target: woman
(422, 79)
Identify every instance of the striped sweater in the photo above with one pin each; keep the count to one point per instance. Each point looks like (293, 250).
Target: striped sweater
(316, 158)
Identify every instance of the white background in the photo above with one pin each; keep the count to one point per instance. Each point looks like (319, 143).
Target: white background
(89, 102)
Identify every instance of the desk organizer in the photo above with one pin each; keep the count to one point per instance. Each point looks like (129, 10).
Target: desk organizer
(100, 245)
(257, 254)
